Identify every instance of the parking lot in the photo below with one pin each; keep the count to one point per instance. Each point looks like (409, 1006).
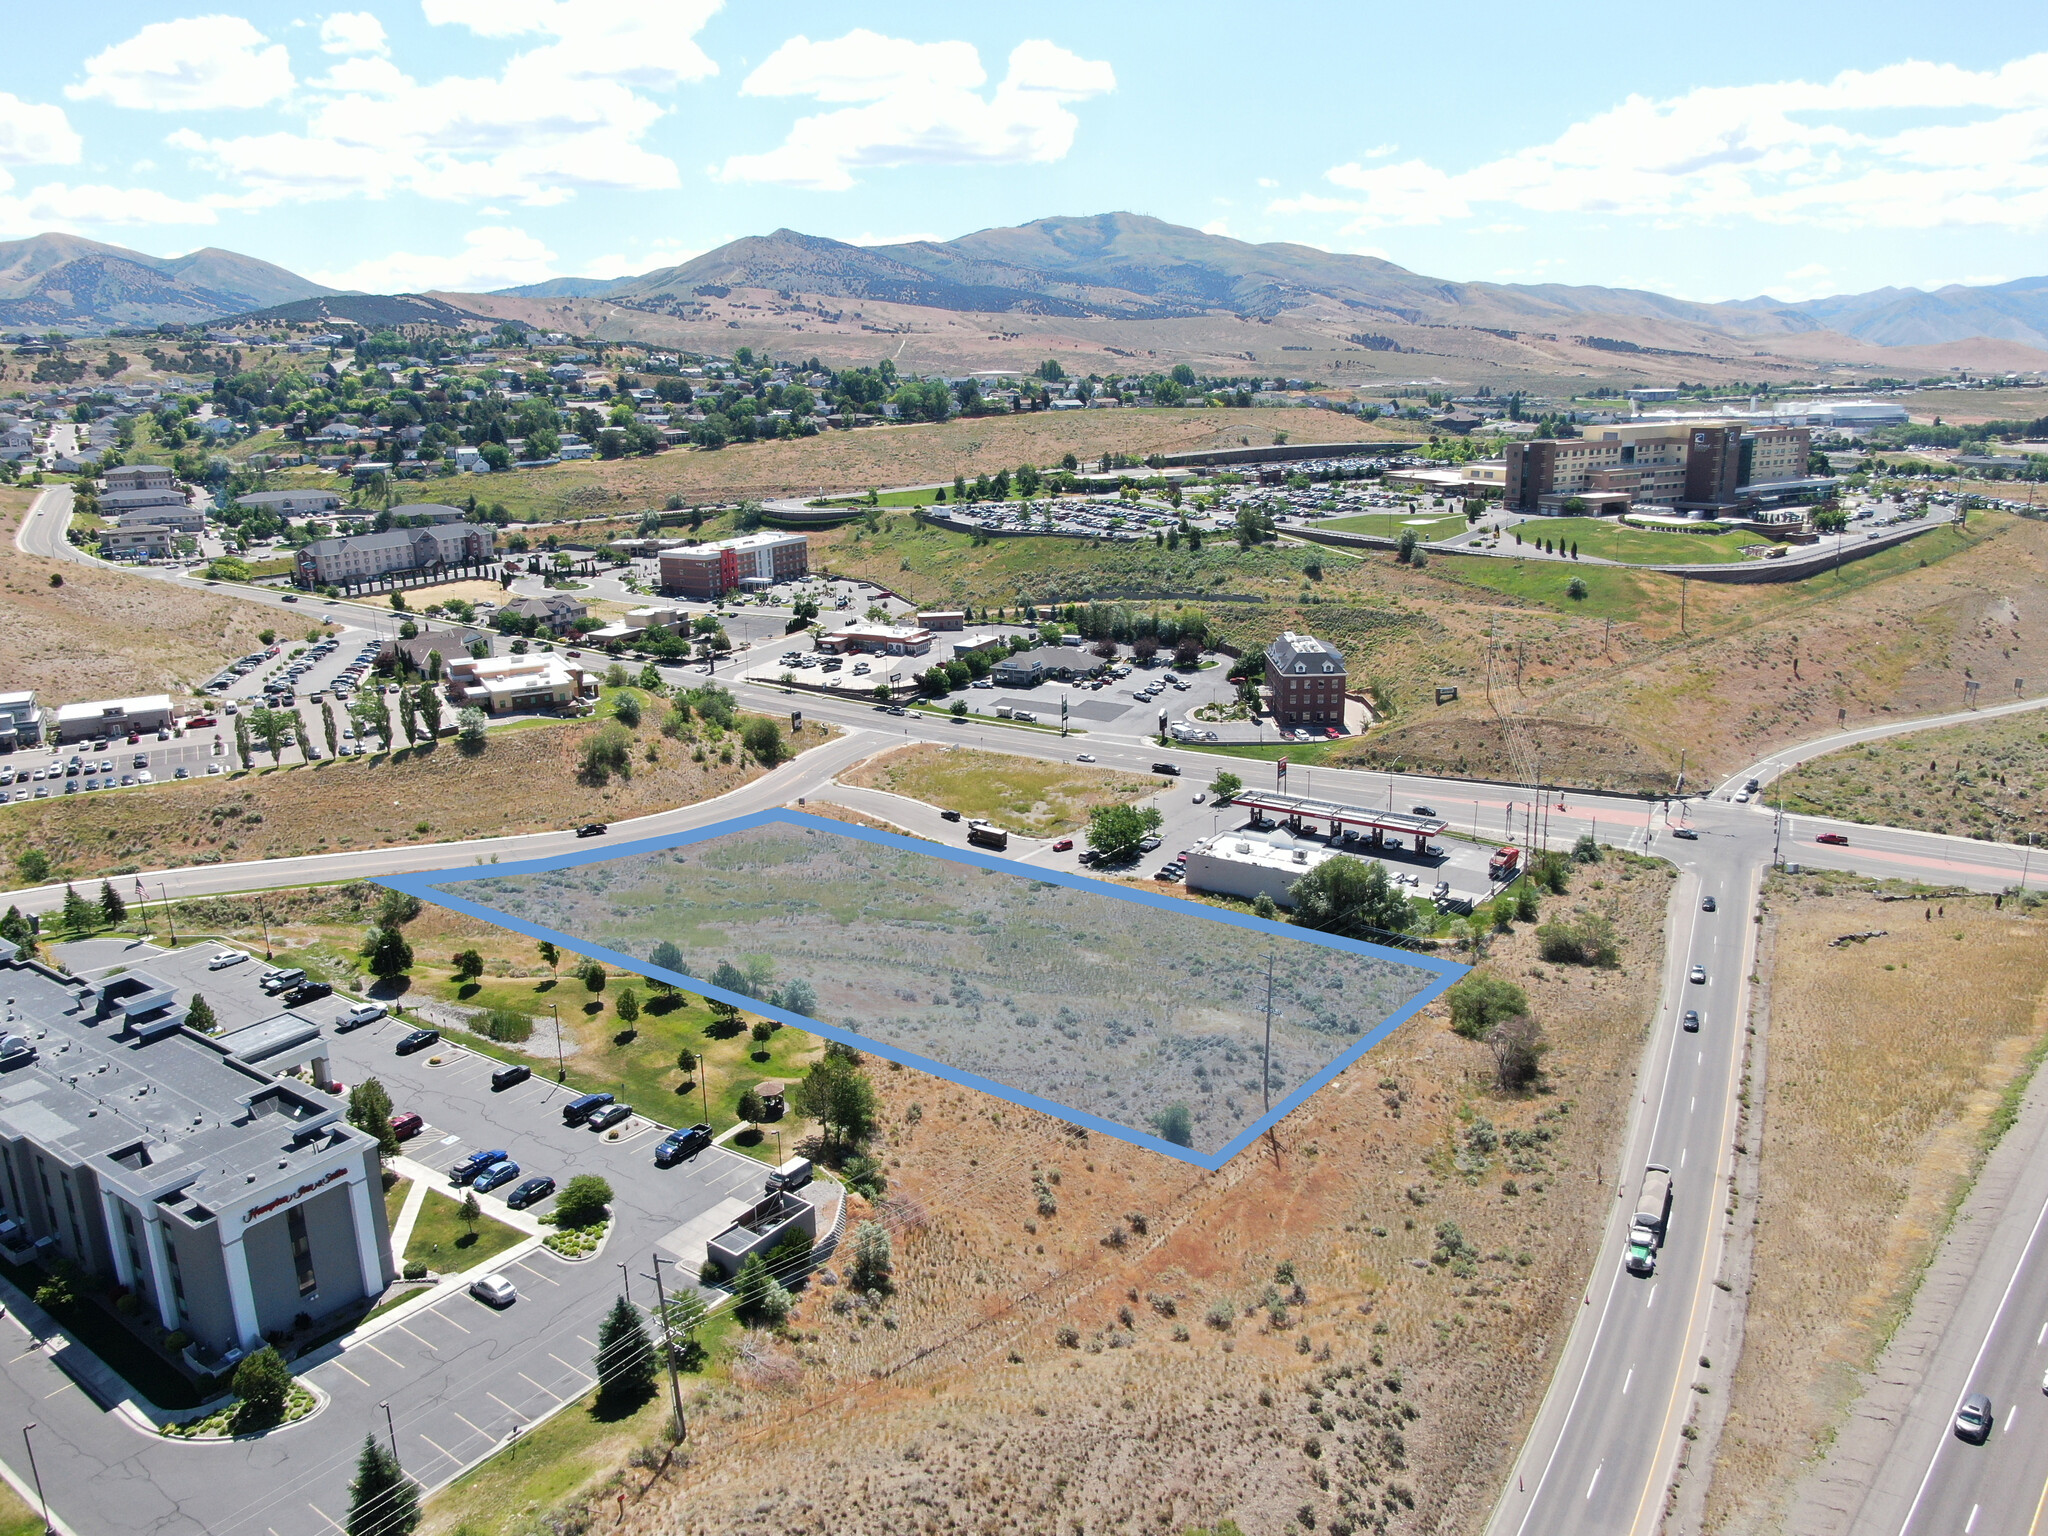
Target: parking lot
(461, 1378)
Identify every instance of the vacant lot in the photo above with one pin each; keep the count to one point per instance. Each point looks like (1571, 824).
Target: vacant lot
(1082, 1336)
(107, 634)
(1888, 1059)
(1988, 780)
(1034, 798)
(522, 781)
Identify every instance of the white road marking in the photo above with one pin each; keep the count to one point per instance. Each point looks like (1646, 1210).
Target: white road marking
(442, 1449)
(2043, 1334)
(1970, 1524)
(1595, 1479)
(1650, 1300)
(1681, 1157)
(1631, 1376)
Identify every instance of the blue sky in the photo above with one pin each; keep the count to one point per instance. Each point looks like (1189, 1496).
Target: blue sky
(401, 144)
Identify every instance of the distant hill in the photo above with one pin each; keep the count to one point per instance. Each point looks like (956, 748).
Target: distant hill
(1131, 266)
(66, 283)
(373, 310)
(563, 288)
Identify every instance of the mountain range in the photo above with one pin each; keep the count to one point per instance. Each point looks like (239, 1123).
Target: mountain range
(1130, 266)
(1112, 266)
(66, 283)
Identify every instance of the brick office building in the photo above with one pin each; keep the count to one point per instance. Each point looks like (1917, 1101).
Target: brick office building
(1305, 682)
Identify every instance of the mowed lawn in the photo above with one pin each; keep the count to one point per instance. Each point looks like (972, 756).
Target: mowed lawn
(1605, 539)
(1391, 525)
(1026, 795)
(442, 1242)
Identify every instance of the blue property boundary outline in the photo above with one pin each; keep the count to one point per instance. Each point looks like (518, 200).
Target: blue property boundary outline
(430, 886)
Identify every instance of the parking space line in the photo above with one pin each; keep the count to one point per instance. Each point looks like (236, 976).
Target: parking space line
(68, 1385)
(472, 1426)
(435, 1312)
(369, 1345)
(439, 1447)
(543, 1391)
(327, 1517)
(585, 1342)
(347, 1372)
(409, 1333)
(522, 1264)
(501, 1402)
(565, 1365)
(24, 1355)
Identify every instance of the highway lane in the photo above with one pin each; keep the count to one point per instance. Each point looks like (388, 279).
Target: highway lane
(1767, 768)
(1603, 1443)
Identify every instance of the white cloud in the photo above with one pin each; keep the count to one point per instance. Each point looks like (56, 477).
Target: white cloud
(1268, 182)
(353, 32)
(89, 208)
(569, 114)
(1863, 150)
(1217, 227)
(32, 133)
(200, 63)
(921, 105)
(870, 238)
(658, 254)
(495, 256)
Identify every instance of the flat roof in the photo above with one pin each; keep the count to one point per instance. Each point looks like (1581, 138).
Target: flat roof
(1336, 810)
(94, 709)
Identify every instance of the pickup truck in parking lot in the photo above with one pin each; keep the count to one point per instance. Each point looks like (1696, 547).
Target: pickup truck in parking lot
(681, 1143)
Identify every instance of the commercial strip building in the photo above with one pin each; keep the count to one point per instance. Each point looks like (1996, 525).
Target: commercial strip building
(1305, 681)
(147, 541)
(21, 722)
(1699, 465)
(117, 503)
(501, 684)
(231, 1202)
(138, 477)
(103, 718)
(299, 503)
(706, 572)
(877, 640)
(398, 552)
(182, 517)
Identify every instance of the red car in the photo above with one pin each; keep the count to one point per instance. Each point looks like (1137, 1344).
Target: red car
(1063, 845)
(1832, 837)
(1331, 732)
(407, 1125)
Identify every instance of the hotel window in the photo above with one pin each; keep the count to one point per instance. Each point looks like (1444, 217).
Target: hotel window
(302, 1250)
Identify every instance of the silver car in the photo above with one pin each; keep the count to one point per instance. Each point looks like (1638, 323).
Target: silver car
(494, 1290)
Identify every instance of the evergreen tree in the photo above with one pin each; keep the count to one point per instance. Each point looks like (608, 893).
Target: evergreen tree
(873, 1259)
(18, 930)
(200, 1015)
(79, 916)
(625, 1355)
(113, 910)
(382, 1501)
(263, 1382)
(757, 1296)
(388, 953)
(369, 1110)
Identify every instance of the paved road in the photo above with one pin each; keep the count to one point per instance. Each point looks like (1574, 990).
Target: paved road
(1766, 769)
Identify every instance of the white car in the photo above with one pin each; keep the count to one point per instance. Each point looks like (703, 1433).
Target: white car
(226, 958)
(1698, 974)
(214, 768)
(494, 1290)
(361, 1014)
(1084, 757)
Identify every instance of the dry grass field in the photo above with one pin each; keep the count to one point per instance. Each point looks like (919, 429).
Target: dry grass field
(1615, 688)
(1887, 1062)
(523, 781)
(1037, 799)
(1351, 1323)
(1986, 780)
(107, 634)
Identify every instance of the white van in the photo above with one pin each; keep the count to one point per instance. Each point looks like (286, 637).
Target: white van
(794, 1174)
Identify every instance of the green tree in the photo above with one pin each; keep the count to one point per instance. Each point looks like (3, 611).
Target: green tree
(757, 1296)
(79, 915)
(1116, 830)
(627, 1006)
(625, 1356)
(836, 1094)
(680, 1317)
(606, 751)
(263, 1382)
(1176, 1123)
(382, 1501)
(626, 708)
(370, 716)
(428, 702)
(388, 953)
(873, 1260)
(551, 957)
(333, 732)
(113, 910)
(369, 1111)
(1224, 786)
(592, 974)
(1576, 589)
(763, 740)
(33, 865)
(1481, 1001)
(751, 1108)
(469, 1213)
(469, 964)
(585, 1201)
(397, 908)
(200, 1016)
(18, 931)
(470, 729)
(1352, 896)
(1586, 850)
(271, 726)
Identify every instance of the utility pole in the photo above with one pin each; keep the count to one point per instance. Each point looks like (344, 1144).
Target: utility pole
(1684, 587)
(40, 1499)
(561, 1067)
(264, 915)
(169, 916)
(679, 1431)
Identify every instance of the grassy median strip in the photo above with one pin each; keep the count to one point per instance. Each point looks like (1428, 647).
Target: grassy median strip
(442, 1241)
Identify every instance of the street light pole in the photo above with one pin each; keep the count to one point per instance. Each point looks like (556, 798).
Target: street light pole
(34, 1472)
(392, 1431)
(561, 1067)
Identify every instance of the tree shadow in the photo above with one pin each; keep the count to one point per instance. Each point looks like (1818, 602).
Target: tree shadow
(611, 1407)
(468, 990)
(593, 1008)
(546, 986)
